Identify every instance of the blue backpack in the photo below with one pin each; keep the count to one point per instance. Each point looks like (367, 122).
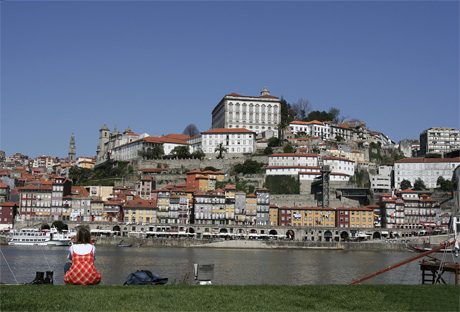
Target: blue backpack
(144, 277)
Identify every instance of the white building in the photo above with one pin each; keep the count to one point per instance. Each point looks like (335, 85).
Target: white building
(378, 137)
(439, 140)
(308, 166)
(234, 140)
(133, 150)
(194, 143)
(324, 130)
(255, 113)
(381, 182)
(427, 169)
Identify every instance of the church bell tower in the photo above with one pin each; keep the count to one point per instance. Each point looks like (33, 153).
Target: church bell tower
(72, 149)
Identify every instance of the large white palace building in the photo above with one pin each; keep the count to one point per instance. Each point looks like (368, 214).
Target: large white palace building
(260, 114)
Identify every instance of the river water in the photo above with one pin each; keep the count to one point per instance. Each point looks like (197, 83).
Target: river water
(231, 266)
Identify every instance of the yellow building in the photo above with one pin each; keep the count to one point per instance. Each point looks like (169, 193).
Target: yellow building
(355, 217)
(251, 209)
(273, 215)
(215, 175)
(141, 211)
(230, 203)
(313, 217)
(97, 208)
(163, 206)
(355, 156)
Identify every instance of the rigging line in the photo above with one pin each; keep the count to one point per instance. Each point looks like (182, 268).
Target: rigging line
(9, 266)
(47, 262)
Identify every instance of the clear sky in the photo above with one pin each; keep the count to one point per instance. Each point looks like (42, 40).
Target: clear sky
(73, 66)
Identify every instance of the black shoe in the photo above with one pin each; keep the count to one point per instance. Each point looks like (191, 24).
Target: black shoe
(38, 279)
(48, 278)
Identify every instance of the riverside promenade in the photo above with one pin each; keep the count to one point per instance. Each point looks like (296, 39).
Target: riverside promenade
(384, 245)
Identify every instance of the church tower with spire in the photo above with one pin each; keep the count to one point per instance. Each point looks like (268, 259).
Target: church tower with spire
(72, 148)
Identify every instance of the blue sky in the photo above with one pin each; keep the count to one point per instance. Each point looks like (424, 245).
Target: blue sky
(73, 66)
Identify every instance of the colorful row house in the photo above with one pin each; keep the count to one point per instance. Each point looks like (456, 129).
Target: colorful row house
(407, 209)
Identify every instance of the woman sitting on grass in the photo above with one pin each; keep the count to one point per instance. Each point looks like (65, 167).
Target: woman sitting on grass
(82, 253)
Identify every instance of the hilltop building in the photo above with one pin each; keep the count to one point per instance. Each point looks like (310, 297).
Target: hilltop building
(108, 141)
(260, 114)
(439, 141)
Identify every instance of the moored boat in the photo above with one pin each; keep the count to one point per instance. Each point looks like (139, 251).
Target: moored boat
(424, 249)
(31, 236)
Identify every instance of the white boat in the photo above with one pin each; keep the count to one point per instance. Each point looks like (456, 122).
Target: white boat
(31, 236)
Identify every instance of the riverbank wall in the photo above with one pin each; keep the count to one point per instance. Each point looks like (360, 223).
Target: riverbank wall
(391, 245)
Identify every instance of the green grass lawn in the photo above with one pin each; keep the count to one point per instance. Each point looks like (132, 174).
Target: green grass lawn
(231, 298)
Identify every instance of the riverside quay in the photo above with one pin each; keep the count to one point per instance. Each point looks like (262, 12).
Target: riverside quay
(214, 231)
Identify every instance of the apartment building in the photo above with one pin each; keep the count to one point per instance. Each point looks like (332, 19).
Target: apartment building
(439, 140)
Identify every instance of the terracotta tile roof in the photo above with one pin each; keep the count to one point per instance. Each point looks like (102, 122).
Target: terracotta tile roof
(306, 123)
(262, 189)
(194, 172)
(176, 136)
(428, 160)
(354, 208)
(143, 203)
(8, 204)
(337, 158)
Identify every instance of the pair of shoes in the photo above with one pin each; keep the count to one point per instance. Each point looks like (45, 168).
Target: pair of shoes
(49, 277)
(40, 278)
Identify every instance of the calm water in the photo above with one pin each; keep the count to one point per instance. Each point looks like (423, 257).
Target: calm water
(231, 266)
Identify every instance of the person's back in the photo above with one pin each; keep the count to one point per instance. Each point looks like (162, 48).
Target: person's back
(82, 254)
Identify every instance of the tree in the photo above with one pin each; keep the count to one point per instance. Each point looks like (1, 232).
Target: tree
(181, 152)
(405, 184)
(335, 114)
(273, 142)
(445, 185)
(79, 175)
(319, 116)
(158, 151)
(59, 225)
(302, 108)
(221, 150)
(191, 130)
(249, 167)
(282, 126)
(419, 185)
(198, 154)
(288, 148)
(268, 150)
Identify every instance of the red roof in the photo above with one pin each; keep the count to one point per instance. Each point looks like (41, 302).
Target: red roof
(428, 160)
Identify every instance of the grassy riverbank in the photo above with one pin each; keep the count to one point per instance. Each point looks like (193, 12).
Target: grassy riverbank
(231, 298)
